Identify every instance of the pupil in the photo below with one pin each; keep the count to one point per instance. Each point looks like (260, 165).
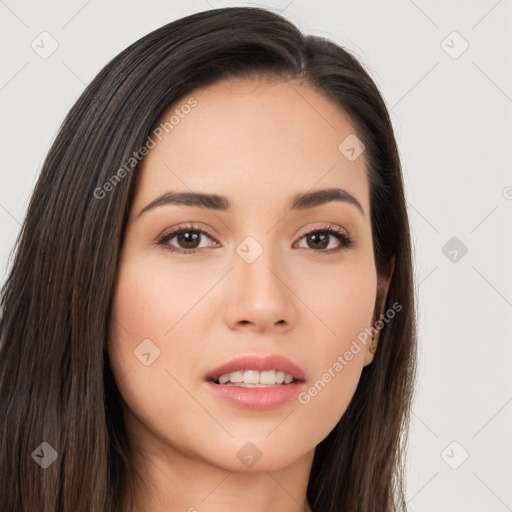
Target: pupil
(189, 239)
(323, 238)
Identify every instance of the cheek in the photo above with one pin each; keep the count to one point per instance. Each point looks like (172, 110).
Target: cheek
(151, 300)
(345, 304)
(141, 315)
(342, 299)
(143, 306)
(145, 320)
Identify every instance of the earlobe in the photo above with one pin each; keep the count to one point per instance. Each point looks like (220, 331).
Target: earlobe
(383, 282)
(370, 350)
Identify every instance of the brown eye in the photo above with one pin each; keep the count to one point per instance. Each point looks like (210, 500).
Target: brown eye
(188, 239)
(322, 240)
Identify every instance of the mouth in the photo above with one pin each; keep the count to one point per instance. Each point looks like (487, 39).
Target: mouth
(256, 379)
(253, 382)
(257, 371)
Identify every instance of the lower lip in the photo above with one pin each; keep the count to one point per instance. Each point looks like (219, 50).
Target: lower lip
(256, 398)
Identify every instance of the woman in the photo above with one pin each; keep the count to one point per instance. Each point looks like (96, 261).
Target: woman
(211, 304)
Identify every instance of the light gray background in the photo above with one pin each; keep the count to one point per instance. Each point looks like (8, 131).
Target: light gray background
(453, 121)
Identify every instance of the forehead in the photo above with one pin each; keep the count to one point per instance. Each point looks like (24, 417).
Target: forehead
(252, 141)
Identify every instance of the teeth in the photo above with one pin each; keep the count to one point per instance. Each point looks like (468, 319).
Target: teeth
(268, 377)
(235, 377)
(253, 378)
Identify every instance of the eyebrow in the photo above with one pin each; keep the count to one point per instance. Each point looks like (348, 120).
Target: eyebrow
(301, 201)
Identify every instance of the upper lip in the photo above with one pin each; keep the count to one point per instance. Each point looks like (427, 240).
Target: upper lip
(258, 363)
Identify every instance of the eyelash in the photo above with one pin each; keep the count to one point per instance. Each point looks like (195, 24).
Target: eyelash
(335, 231)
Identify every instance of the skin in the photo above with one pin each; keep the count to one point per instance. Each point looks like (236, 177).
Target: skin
(246, 140)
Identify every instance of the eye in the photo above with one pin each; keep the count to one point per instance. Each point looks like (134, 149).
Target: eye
(187, 236)
(320, 239)
(188, 239)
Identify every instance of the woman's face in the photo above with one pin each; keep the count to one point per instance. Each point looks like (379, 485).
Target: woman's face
(243, 279)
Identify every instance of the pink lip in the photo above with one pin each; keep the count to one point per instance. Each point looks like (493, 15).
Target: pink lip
(257, 398)
(260, 364)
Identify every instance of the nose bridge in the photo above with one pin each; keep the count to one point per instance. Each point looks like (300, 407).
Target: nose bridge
(261, 293)
(258, 262)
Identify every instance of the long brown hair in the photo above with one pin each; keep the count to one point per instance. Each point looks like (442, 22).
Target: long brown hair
(56, 384)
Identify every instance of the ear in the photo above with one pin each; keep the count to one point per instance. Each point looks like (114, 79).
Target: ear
(383, 282)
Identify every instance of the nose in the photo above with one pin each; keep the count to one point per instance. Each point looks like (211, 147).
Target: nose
(260, 295)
